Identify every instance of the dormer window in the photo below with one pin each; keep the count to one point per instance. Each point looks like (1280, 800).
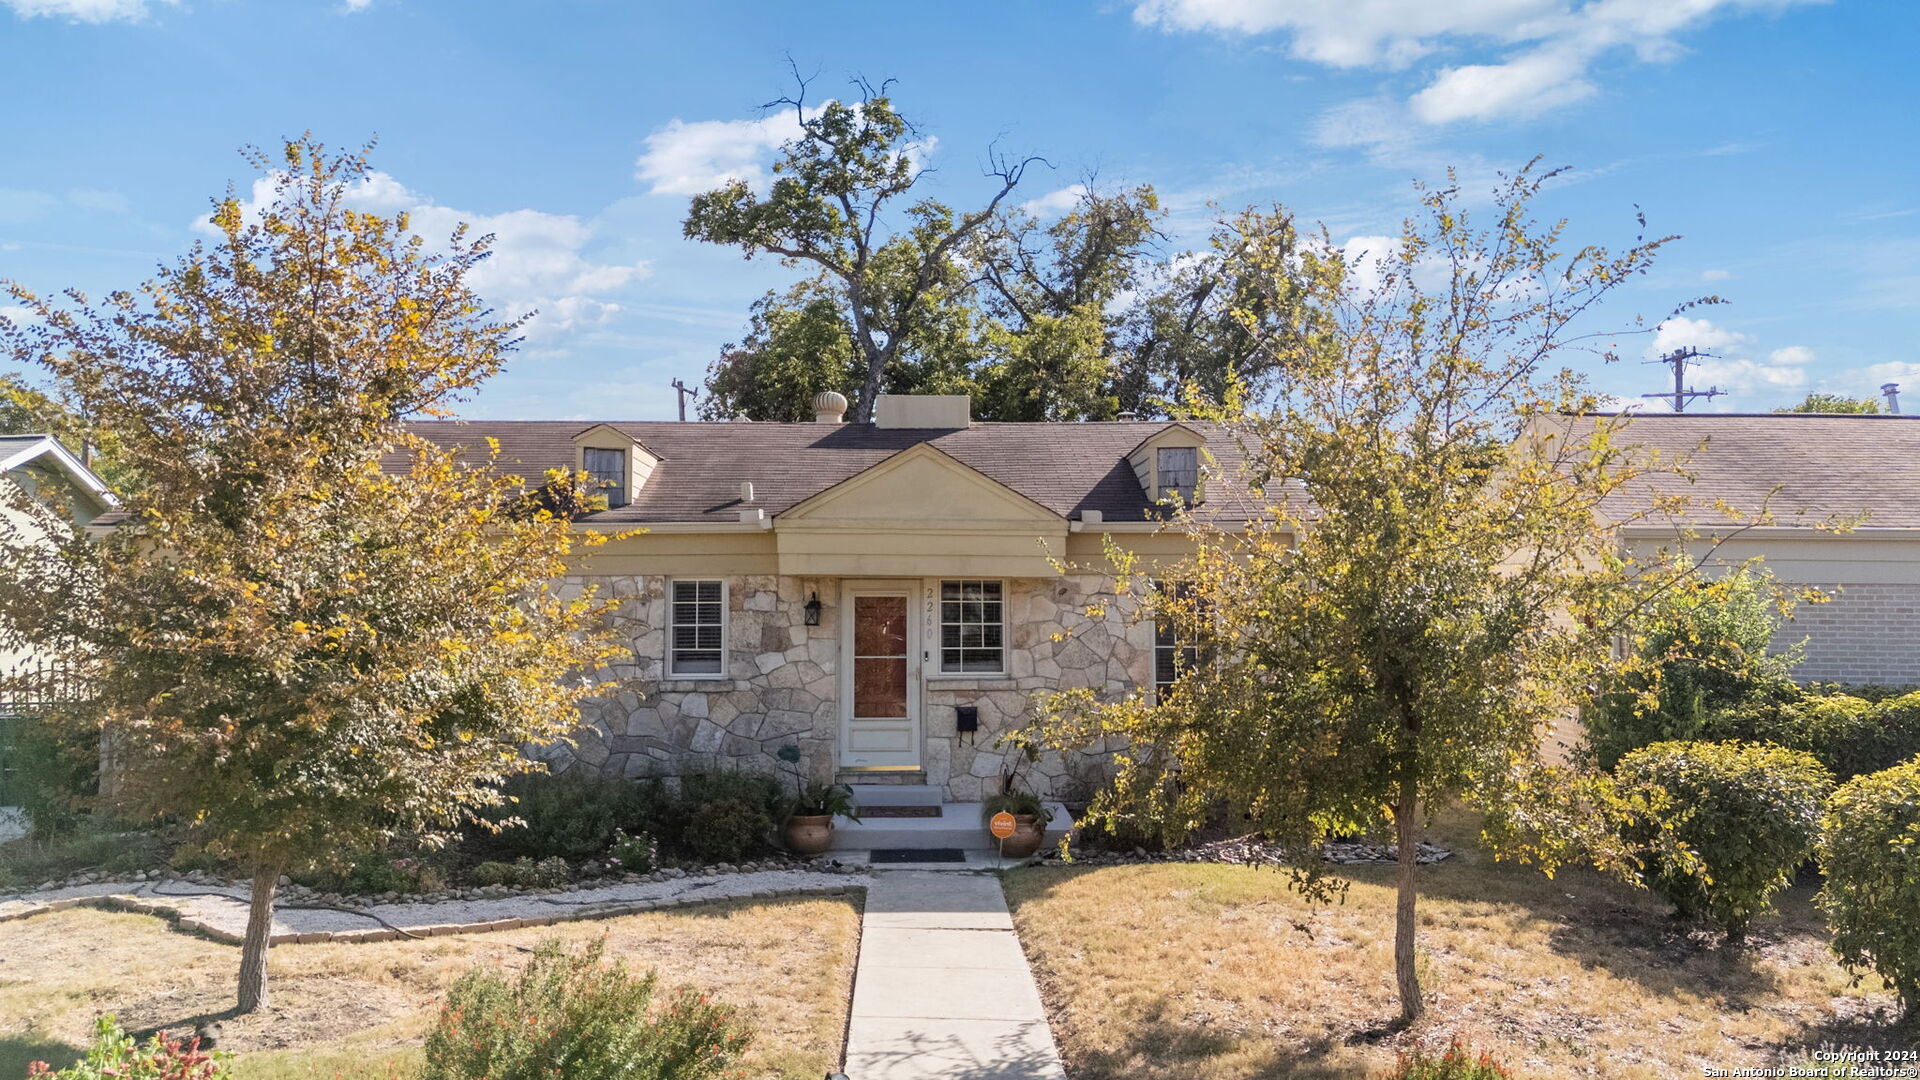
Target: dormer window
(608, 470)
(1178, 468)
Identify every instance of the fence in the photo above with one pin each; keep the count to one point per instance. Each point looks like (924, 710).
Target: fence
(26, 689)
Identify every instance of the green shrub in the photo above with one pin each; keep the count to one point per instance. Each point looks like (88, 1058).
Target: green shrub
(569, 1014)
(1870, 851)
(1870, 691)
(92, 845)
(547, 873)
(50, 777)
(572, 815)
(635, 854)
(764, 792)
(686, 819)
(114, 1054)
(1852, 736)
(1749, 812)
(493, 872)
(1456, 1064)
(1698, 654)
(728, 830)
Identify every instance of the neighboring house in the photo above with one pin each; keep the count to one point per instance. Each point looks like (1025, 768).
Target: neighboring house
(1810, 470)
(890, 597)
(40, 466)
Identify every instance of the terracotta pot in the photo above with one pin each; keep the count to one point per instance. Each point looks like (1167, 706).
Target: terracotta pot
(809, 834)
(1028, 835)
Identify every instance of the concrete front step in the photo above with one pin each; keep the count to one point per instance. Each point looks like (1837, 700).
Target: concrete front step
(897, 795)
(882, 777)
(958, 826)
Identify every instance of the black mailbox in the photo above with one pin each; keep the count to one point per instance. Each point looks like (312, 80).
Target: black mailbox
(966, 718)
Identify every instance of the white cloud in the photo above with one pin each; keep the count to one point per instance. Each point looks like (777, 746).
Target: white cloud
(1703, 334)
(689, 158)
(19, 206)
(1730, 366)
(686, 159)
(1534, 83)
(1056, 203)
(100, 202)
(1715, 275)
(1867, 381)
(83, 11)
(17, 315)
(359, 5)
(538, 260)
(1352, 33)
(1551, 44)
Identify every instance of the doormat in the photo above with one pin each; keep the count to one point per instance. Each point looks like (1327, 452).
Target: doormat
(913, 855)
(899, 811)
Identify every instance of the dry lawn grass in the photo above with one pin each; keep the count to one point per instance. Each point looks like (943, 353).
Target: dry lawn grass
(361, 1011)
(1209, 972)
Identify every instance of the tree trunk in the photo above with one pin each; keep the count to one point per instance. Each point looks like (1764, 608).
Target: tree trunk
(1406, 831)
(253, 950)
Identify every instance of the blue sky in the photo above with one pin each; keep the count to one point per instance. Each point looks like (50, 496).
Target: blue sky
(1778, 136)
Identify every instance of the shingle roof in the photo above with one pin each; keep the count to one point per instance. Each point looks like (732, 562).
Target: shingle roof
(1068, 468)
(1805, 467)
(13, 444)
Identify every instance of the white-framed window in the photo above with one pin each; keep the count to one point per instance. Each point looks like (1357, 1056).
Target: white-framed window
(1171, 659)
(608, 468)
(973, 627)
(1179, 470)
(697, 628)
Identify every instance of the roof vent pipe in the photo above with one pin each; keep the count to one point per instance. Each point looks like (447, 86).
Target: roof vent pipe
(1891, 391)
(829, 407)
(746, 491)
(1129, 415)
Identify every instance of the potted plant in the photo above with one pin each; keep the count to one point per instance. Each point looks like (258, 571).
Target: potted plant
(809, 828)
(1030, 820)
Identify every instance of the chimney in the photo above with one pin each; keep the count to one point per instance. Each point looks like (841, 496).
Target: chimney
(829, 408)
(933, 411)
(1891, 391)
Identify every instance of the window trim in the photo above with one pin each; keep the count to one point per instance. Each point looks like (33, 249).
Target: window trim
(625, 473)
(938, 669)
(1192, 653)
(1164, 491)
(726, 632)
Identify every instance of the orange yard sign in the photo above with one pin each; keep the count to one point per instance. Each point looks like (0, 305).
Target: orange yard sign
(1002, 825)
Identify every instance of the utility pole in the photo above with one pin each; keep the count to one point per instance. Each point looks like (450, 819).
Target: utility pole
(1682, 393)
(682, 391)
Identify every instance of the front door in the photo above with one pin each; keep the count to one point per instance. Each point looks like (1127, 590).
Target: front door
(879, 675)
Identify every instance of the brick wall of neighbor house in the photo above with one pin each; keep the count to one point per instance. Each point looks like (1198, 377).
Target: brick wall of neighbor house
(782, 685)
(1865, 634)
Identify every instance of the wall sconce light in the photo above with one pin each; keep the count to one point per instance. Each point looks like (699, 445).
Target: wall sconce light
(813, 610)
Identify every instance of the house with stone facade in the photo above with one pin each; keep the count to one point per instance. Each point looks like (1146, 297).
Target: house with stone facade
(890, 597)
(887, 597)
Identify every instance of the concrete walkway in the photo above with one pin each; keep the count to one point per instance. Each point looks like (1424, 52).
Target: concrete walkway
(220, 911)
(942, 990)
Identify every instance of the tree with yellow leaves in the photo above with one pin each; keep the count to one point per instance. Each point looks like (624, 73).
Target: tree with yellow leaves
(312, 632)
(1429, 578)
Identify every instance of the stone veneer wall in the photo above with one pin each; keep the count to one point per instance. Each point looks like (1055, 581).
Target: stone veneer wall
(1865, 634)
(782, 686)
